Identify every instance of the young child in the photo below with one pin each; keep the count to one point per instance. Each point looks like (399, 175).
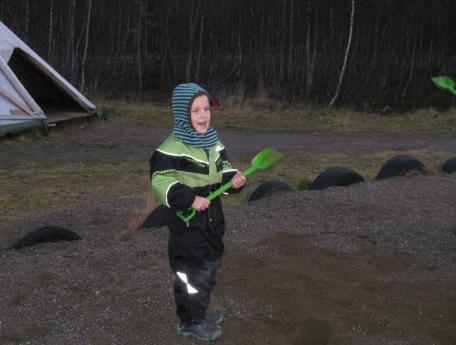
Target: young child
(189, 165)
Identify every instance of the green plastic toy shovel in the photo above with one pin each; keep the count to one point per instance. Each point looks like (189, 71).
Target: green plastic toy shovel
(263, 160)
(445, 83)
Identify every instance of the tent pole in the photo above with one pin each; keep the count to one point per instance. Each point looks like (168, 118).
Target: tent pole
(16, 101)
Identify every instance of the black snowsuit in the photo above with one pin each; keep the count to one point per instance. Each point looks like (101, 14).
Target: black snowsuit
(195, 248)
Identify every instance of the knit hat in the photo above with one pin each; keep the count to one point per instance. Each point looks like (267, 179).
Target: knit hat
(183, 96)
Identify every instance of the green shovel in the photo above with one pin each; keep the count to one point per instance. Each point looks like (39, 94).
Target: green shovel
(263, 160)
(445, 83)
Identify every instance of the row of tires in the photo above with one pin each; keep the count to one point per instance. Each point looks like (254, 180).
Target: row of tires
(336, 176)
(396, 166)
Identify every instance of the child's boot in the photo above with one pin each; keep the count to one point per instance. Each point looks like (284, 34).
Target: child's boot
(214, 317)
(201, 330)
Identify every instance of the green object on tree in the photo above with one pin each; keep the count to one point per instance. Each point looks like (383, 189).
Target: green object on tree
(263, 160)
(445, 83)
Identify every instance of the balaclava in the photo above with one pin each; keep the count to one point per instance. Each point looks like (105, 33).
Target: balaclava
(183, 96)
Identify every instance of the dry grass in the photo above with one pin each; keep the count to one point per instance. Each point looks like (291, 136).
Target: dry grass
(140, 113)
(264, 114)
(36, 188)
(140, 214)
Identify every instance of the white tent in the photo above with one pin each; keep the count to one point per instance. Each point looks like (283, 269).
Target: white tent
(31, 91)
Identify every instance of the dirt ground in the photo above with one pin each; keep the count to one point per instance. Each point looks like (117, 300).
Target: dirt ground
(373, 263)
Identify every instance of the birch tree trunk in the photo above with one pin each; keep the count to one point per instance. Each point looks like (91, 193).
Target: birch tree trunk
(84, 57)
(290, 63)
(311, 54)
(283, 45)
(139, 50)
(200, 48)
(71, 51)
(193, 19)
(414, 53)
(239, 48)
(51, 17)
(27, 19)
(347, 51)
(412, 68)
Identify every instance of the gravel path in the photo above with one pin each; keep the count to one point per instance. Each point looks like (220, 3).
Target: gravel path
(382, 253)
(107, 140)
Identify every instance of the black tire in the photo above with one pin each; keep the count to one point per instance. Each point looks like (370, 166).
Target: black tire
(45, 234)
(449, 166)
(336, 176)
(267, 188)
(399, 166)
(157, 218)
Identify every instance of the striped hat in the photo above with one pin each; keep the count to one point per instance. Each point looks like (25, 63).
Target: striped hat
(183, 96)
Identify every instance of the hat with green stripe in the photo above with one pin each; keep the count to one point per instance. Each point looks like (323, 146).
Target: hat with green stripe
(183, 96)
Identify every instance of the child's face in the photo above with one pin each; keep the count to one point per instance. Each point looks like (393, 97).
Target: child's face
(200, 114)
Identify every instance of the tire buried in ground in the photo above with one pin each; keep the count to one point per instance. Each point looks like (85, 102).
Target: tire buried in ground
(267, 188)
(157, 218)
(399, 166)
(45, 234)
(336, 176)
(449, 166)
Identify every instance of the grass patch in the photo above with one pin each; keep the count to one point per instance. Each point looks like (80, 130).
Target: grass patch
(269, 115)
(29, 136)
(139, 113)
(24, 138)
(36, 188)
(339, 121)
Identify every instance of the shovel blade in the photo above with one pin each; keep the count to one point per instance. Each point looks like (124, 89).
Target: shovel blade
(266, 159)
(443, 82)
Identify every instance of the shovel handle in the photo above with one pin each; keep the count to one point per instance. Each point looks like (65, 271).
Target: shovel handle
(191, 212)
(229, 185)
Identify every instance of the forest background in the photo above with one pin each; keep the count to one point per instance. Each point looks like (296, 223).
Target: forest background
(366, 54)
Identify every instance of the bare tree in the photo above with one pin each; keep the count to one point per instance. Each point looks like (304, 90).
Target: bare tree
(311, 54)
(347, 51)
(139, 47)
(200, 48)
(27, 18)
(71, 53)
(290, 39)
(84, 57)
(51, 28)
(195, 12)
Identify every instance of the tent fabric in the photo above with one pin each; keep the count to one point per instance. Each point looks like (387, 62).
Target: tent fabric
(13, 93)
(31, 90)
